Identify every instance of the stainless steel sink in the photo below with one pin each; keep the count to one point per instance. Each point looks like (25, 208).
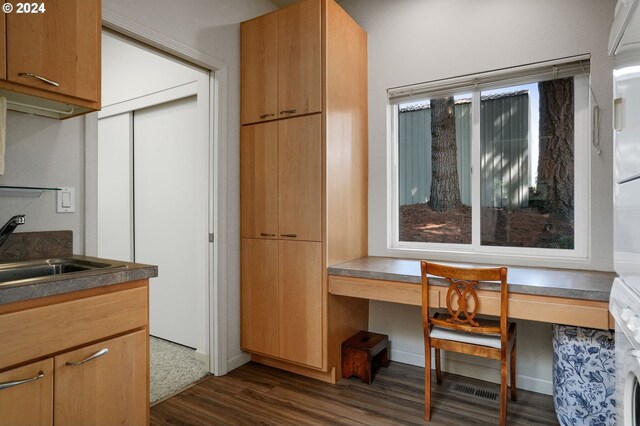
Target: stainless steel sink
(44, 268)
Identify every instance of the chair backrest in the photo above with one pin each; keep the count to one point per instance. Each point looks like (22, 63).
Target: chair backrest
(462, 299)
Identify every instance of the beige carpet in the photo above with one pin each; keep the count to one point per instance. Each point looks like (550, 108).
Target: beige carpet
(172, 367)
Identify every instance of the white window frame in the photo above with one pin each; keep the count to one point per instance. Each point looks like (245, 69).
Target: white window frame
(520, 255)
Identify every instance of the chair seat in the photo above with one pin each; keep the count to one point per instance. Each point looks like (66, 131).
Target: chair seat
(490, 340)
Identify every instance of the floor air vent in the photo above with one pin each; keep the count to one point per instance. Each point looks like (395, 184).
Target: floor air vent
(475, 391)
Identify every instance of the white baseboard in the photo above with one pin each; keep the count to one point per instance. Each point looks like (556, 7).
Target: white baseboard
(202, 356)
(237, 361)
(480, 372)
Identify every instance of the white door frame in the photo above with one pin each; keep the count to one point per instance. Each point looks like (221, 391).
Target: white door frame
(217, 305)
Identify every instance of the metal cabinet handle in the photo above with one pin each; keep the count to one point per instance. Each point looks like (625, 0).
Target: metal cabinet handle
(264, 234)
(6, 385)
(289, 111)
(94, 356)
(289, 235)
(38, 77)
(263, 116)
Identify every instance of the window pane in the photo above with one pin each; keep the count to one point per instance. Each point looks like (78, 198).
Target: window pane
(434, 170)
(527, 165)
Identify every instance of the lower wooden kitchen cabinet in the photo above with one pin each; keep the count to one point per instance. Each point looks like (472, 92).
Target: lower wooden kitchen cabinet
(97, 387)
(26, 395)
(259, 304)
(79, 358)
(300, 301)
(101, 384)
(282, 299)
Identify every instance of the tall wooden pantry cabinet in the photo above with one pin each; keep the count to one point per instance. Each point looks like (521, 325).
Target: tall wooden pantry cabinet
(303, 183)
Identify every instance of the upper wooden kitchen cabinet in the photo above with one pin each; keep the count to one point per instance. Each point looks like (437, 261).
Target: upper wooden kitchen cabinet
(282, 63)
(259, 73)
(303, 183)
(3, 48)
(53, 58)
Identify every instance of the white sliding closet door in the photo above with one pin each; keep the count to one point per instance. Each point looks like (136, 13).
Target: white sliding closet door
(115, 187)
(154, 182)
(171, 199)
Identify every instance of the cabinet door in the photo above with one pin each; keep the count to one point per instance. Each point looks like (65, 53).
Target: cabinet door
(61, 45)
(299, 59)
(260, 296)
(3, 48)
(29, 403)
(259, 180)
(300, 274)
(299, 178)
(259, 69)
(107, 389)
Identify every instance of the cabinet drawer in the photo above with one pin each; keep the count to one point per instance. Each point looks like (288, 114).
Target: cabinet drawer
(42, 331)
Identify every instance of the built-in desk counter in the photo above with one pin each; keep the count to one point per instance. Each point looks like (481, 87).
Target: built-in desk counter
(560, 296)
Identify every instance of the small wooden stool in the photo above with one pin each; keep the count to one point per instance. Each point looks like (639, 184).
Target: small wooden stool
(359, 352)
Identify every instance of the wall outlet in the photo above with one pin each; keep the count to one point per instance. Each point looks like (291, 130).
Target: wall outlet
(66, 200)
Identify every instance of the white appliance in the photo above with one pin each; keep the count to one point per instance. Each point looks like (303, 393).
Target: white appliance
(624, 303)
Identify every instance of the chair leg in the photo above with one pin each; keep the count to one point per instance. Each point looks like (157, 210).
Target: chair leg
(427, 383)
(438, 367)
(503, 390)
(512, 367)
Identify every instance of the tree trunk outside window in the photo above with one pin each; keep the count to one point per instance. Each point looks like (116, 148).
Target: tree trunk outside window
(445, 190)
(556, 163)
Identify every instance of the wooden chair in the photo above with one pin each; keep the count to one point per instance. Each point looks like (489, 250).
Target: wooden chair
(461, 331)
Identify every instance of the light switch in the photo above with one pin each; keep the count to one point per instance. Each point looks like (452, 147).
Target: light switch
(66, 200)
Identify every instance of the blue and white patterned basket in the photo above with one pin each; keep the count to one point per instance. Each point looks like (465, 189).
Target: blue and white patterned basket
(584, 376)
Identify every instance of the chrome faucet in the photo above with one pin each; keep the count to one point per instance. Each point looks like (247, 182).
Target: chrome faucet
(8, 228)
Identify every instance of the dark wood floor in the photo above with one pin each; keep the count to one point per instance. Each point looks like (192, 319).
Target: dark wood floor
(258, 395)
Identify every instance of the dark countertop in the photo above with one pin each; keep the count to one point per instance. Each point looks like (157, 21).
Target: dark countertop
(568, 283)
(15, 291)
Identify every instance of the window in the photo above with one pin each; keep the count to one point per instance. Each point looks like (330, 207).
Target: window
(496, 162)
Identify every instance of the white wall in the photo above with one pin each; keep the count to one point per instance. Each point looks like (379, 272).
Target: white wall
(413, 41)
(42, 151)
(211, 27)
(132, 70)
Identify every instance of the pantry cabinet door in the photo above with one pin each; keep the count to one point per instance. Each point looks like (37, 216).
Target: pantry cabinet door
(259, 69)
(300, 272)
(259, 282)
(99, 388)
(259, 180)
(300, 59)
(29, 403)
(300, 178)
